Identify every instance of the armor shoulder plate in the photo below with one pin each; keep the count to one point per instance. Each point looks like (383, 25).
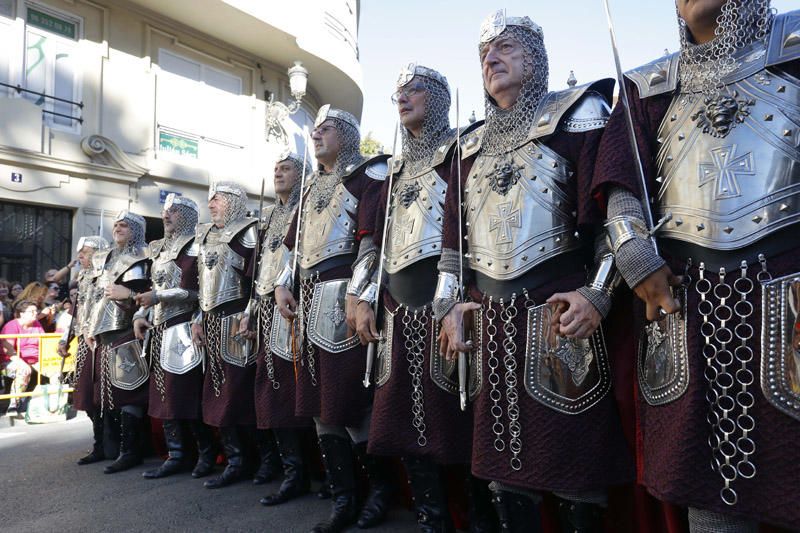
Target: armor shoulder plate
(182, 242)
(266, 216)
(471, 142)
(450, 143)
(784, 40)
(194, 249)
(590, 113)
(367, 164)
(154, 247)
(657, 77)
(397, 165)
(99, 261)
(202, 230)
(377, 171)
(244, 228)
(137, 269)
(555, 105)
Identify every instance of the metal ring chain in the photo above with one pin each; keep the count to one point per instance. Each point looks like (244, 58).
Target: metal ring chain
(494, 377)
(105, 378)
(266, 311)
(743, 309)
(156, 340)
(507, 315)
(414, 333)
(214, 331)
(306, 294)
(80, 359)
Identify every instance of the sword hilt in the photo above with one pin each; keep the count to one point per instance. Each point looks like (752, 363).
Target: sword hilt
(370, 363)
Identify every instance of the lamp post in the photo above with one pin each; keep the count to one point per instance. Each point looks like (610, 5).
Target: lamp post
(277, 112)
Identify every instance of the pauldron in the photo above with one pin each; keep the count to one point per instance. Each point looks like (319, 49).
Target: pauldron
(172, 300)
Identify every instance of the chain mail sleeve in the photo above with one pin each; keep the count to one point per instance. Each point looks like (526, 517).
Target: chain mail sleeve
(364, 268)
(634, 254)
(603, 279)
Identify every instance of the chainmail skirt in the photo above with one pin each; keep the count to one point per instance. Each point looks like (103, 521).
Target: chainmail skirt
(83, 397)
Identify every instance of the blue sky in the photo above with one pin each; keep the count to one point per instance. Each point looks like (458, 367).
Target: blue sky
(444, 35)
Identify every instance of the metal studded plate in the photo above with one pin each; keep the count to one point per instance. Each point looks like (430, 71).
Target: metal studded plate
(280, 338)
(567, 375)
(780, 343)
(233, 351)
(444, 373)
(128, 369)
(178, 355)
(662, 360)
(383, 366)
(326, 322)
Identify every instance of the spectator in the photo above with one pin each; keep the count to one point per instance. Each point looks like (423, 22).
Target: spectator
(36, 292)
(61, 278)
(6, 312)
(16, 290)
(64, 317)
(21, 355)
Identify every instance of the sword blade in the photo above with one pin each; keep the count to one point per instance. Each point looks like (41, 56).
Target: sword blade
(462, 357)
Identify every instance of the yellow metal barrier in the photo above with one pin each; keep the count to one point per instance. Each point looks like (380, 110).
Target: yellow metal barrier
(49, 364)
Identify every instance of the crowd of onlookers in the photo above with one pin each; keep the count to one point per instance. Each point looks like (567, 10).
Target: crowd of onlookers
(32, 309)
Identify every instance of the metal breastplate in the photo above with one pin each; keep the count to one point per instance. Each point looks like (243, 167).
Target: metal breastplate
(273, 257)
(730, 168)
(109, 315)
(517, 212)
(166, 274)
(329, 228)
(415, 228)
(219, 280)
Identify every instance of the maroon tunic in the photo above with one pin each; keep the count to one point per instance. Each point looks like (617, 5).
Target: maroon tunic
(559, 452)
(234, 405)
(83, 397)
(275, 398)
(339, 398)
(676, 457)
(182, 392)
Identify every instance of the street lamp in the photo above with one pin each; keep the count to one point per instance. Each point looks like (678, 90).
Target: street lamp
(277, 112)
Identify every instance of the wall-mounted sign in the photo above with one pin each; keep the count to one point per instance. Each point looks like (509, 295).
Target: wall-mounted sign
(16, 177)
(163, 193)
(50, 23)
(178, 144)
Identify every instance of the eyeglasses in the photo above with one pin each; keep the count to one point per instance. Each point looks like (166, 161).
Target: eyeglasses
(408, 92)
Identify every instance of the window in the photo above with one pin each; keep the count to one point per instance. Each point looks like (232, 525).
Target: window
(7, 8)
(194, 70)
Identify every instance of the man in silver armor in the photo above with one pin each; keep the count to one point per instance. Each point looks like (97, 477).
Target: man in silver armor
(83, 382)
(274, 385)
(163, 324)
(336, 226)
(718, 129)
(416, 412)
(545, 417)
(121, 390)
(225, 265)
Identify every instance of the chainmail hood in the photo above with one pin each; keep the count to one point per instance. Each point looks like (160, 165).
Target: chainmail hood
(740, 24)
(349, 138)
(417, 152)
(234, 197)
(138, 227)
(505, 129)
(187, 215)
(279, 220)
(95, 242)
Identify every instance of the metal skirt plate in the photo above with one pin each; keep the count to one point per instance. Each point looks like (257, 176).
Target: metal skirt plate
(663, 360)
(280, 336)
(326, 322)
(383, 366)
(128, 369)
(178, 355)
(780, 343)
(567, 375)
(233, 351)
(444, 373)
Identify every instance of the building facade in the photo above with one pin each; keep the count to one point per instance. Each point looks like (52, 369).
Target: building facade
(112, 104)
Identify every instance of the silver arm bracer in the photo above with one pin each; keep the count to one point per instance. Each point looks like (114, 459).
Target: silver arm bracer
(622, 229)
(286, 276)
(176, 294)
(446, 295)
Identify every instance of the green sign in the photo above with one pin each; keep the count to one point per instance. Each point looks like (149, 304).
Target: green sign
(176, 144)
(52, 24)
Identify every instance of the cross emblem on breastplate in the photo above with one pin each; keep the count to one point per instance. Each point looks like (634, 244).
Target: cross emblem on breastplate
(503, 221)
(401, 230)
(723, 170)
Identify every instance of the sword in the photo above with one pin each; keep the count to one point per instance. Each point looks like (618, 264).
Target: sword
(387, 217)
(251, 304)
(625, 101)
(297, 232)
(462, 357)
(147, 335)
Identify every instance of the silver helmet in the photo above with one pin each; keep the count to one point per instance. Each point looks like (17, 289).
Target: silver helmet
(138, 228)
(349, 137)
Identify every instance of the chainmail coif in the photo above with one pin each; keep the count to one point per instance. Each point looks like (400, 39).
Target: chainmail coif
(505, 129)
(234, 199)
(418, 151)
(282, 211)
(704, 66)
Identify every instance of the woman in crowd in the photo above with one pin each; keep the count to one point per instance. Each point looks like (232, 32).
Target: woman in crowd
(20, 355)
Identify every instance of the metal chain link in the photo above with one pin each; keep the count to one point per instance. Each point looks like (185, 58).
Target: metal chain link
(415, 334)
(494, 377)
(306, 294)
(266, 310)
(80, 359)
(105, 378)
(156, 340)
(213, 326)
(508, 313)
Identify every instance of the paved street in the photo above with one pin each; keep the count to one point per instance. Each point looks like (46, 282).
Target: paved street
(44, 490)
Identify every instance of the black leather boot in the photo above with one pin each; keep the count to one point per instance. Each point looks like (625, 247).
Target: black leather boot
(517, 513)
(206, 451)
(580, 517)
(381, 488)
(111, 432)
(270, 461)
(430, 499)
(97, 454)
(295, 481)
(482, 516)
(129, 453)
(337, 455)
(174, 441)
(233, 453)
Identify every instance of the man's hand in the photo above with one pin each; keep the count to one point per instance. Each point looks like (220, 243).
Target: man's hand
(140, 326)
(451, 337)
(63, 349)
(365, 323)
(91, 342)
(287, 306)
(118, 292)
(198, 335)
(244, 328)
(655, 292)
(146, 299)
(574, 316)
(350, 305)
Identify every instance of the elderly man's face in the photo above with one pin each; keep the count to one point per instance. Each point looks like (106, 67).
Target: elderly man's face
(503, 67)
(700, 12)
